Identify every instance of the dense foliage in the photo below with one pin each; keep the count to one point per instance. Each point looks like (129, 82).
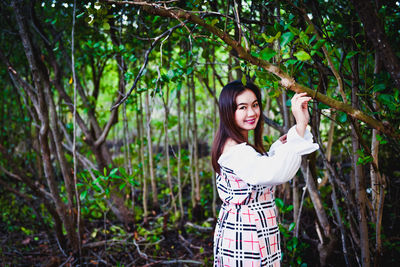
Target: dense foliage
(107, 160)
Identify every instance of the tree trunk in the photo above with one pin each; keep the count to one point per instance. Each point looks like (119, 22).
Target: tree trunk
(179, 162)
(41, 85)
(377, 180)
(143, 173)
(189, 134)
(166, 149)
(376, 33)
(359, 178)
(150, 154)
(214, 120)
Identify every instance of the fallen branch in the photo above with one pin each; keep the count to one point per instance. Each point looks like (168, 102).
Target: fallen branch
(198, 227)
(161, 263)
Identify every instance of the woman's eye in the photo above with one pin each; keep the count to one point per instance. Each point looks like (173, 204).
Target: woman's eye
(255, 105)
(242, 107)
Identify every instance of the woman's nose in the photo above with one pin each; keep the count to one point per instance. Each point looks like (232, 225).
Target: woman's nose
(251, 112)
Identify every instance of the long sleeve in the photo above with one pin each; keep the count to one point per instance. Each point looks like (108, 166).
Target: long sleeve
(256, 169)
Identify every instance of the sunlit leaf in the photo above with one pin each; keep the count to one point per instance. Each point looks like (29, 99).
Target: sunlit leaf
(286, 38)
(302, 55)
(267, 53)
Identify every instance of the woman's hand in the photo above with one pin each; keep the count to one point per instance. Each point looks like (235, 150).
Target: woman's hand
(283, 138)
(300, 112)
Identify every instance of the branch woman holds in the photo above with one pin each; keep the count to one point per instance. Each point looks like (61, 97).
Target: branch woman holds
(247, 233)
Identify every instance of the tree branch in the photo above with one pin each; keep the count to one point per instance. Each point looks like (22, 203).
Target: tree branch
(146, 59)
(286, 80)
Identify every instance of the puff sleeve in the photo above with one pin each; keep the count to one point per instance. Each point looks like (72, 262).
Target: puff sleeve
(277, 168)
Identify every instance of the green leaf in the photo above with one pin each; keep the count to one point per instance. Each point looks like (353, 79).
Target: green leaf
(270, 39)
(106, 26)
(279, 203)
(123, 171)
(291, 226)
(213, 22)
(122, 186)
(294, 30)
(387, 99)
(83, 195)
(244, 81)
(310, 29)
(302, 55)
(304, 38)
(342, 117)
(291, 62)
(267, 53)
(381, 139)
(351, 54)
(286, 38)
(113, 171)
(170, 74)
(378, 87)
(289, 208)
(318, 44)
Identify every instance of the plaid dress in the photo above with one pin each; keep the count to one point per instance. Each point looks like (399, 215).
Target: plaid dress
(247, 233)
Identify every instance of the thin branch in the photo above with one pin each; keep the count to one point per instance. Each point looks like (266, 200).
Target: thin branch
(74, 153)
(153, 44)
(286, 81)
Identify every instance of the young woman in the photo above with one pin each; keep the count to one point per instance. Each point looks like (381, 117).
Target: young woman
(247, 233)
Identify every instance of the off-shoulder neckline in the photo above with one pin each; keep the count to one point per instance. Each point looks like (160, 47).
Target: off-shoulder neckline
(230, 149)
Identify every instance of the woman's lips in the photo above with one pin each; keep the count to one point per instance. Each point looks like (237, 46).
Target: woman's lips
(252, 121)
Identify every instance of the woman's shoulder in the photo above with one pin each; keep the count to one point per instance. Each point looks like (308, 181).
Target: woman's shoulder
(232, 148)
(229, 144)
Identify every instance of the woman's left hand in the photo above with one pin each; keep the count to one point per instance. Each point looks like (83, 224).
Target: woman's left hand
(283, 138)
(300, 111)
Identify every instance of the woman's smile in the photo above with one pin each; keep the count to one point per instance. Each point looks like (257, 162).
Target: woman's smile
(251, 121)
(247, 111)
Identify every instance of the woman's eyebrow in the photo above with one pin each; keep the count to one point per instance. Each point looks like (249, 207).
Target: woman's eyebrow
(247, 103)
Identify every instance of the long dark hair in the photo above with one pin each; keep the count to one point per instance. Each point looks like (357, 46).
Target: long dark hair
(227, 126)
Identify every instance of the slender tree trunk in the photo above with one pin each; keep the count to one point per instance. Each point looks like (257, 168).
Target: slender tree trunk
(195, 141)
(189, 133)
(150, 154)
(326, 244)
(214, 120)
(179, 163)
(359, 178)
(166, 149)
(376, 34)
(42, 87)
(377, 180)
(143, 173)
(329, 148)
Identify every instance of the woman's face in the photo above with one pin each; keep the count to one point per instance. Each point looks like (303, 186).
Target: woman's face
(247, 112)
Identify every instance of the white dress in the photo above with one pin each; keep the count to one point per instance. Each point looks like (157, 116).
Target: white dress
(247, 232)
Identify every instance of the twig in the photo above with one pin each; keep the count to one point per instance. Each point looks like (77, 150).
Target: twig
(173, 262)
(198, 227)
(302, 201)
(141, 254)
(65, 262)
(187, 242)
(99, 258)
